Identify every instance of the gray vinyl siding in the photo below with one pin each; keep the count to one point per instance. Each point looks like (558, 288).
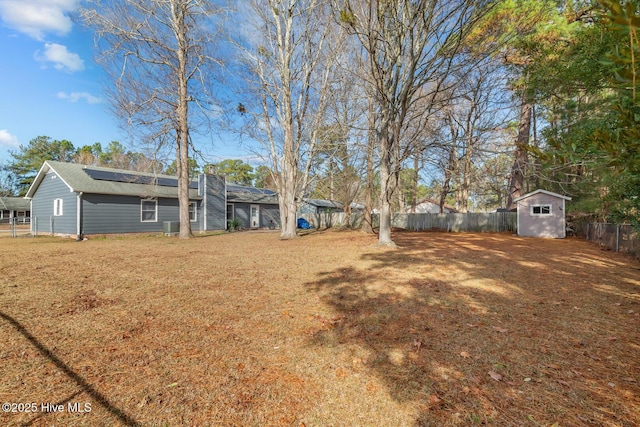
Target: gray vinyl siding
(42, 207)
(107, 214)
(242, 211)
(214, 202)
(269, 213)
(306, 208)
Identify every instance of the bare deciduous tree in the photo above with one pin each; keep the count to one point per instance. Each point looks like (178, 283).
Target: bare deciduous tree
(156, 54)
(412, 48)
(288, 54)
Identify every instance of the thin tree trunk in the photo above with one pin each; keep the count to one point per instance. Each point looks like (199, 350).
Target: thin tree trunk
(518, 169)
(416, 178)
(367, 227)
(183, 133)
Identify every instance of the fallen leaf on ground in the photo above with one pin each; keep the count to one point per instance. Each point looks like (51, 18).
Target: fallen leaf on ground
(434, 400)
(499, 329)
(465, 354)
(496, 376)
(417, 344)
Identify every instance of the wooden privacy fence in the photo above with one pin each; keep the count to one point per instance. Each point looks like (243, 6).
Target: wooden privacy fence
(615, 237)
(333, 219)
(495, 222)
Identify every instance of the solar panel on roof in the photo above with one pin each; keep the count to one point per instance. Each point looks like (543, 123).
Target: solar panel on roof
(234, 188)
(132, 178)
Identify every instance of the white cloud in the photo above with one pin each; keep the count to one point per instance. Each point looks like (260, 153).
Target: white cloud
(77, 96)
(7, 140)
(36, 18)
(61, 58)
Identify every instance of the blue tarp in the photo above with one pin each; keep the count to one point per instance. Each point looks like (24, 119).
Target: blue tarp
(304, 224)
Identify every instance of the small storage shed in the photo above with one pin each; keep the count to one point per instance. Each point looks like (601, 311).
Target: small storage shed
(319, 206)
(541, 213)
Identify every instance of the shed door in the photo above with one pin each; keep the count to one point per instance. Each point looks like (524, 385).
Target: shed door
(255, 216)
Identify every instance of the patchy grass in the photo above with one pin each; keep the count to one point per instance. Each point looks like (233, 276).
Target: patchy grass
(243, 329)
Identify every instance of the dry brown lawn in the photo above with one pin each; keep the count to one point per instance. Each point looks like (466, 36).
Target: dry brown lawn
(328, 330)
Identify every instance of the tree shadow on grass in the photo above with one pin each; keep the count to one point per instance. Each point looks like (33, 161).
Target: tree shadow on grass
(475, 333)
(101, 399)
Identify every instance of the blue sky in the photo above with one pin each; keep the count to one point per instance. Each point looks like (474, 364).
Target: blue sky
(50, 84)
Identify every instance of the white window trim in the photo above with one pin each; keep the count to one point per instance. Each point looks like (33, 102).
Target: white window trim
(155, 217)
(58, 207)
(195, 211)
(541, 206)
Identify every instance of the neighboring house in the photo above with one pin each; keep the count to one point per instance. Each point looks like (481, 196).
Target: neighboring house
(73, 199)
(541, 213)
(15, 207)
(254, 207)
(433, 206)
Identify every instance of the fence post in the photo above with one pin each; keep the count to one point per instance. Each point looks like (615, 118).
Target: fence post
(51, 224)
(617, 237)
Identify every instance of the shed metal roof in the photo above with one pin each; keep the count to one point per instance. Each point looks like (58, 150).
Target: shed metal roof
(323, 203)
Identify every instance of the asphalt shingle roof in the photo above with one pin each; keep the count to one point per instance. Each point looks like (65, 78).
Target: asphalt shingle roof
(14, 204)
(245, 197)
(78, 180)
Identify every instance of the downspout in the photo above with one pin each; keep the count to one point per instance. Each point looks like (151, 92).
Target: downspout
(79, 217)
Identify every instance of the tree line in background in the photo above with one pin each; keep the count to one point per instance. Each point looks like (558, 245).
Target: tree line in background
(18, 174)
(470, 103)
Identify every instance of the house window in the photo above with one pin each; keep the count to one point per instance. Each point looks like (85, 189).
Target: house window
(193, 212)
(57, 207)
(149, 210)
(541, 210)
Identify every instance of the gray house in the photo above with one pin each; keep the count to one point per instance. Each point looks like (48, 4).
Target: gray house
(73, 199)
(433, 206)
(254, 207)
(14, 207)
(541, 213)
